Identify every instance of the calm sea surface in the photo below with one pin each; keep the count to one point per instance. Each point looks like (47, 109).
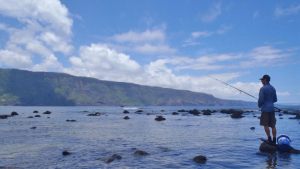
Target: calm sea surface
(173, 143)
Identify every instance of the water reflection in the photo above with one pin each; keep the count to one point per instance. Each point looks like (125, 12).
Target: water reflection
(279, 159)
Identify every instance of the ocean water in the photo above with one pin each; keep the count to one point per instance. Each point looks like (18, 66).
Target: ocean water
(173, 143)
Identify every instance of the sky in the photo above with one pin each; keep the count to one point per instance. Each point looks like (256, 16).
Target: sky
(165, 43)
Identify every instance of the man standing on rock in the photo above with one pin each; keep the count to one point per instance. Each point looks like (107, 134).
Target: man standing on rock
(266, 100)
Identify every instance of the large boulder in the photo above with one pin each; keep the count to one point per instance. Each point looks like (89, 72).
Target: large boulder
(194, 112)
(265, 147)
(200, 159)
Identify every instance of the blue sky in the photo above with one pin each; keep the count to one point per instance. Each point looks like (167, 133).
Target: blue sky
(171, 43)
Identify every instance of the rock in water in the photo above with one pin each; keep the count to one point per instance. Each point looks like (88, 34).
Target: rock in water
(35, 111)
(252, 128)
(47, 112)
(125, 111)
(200, 159)
(126, 118)
(29, 117)
(207, 112)
(194, 112)
(237, 115)
(3, 116)
(66, 153)
(297, 117)
(159, 118)
(175, 113)
(140, 153)
(37, 116)
(265, 147)
(70, 120)
(181, 110)
(14, 113)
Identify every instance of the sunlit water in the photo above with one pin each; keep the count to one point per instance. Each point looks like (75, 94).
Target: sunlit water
(173, 143)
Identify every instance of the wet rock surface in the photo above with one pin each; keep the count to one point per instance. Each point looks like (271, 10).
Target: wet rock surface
(200, 159)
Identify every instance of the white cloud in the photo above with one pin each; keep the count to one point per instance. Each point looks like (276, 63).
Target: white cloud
(215, 11)
(283, 94)
(255, 15)
(151, 49)
(201, 34)
(135, 37)
(14, 59)
(45, 28)
(293, 9)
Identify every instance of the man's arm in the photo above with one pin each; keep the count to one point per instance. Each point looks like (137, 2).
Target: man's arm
(261, 98)
(275, 97)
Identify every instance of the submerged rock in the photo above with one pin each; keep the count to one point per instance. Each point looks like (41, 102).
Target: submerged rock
(200, 159)
(66, 153)
(160, 118)
(29, 117)
(71, 120)
(14, 113)
(140, 153)
(32, 127)
(95, 114)
(112, 158)
(37, 116)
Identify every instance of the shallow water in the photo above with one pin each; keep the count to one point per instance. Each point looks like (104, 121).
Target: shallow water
(173, 143)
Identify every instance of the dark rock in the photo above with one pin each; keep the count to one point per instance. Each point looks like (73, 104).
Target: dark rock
(66, 153)
(139, 111)
(125, 111)
(93, 114)
(254, 116)
(35, 111)
(98, 113)
(181, 110)
(280, 115)
(252, 128)
(14, 113)
(148, 114)
(162, 110)
(294, 151)
(47, 112)
(214, 111)
(207, 112)
(258, 117)
(159, 118)
(237, 115)
(231, 111)
(265, 147)
(297, 117)
(48, 117)
(280, 118)
(112, 158)
(3, 116)
(200, 159)
(140, 153)
(85, 111)
(32, 127)
(194, 112)
(37, 116)
(71, 120)
(175, 113)
(29, 117)
(126, 118)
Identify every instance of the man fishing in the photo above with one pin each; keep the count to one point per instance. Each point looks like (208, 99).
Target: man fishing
(266, 100)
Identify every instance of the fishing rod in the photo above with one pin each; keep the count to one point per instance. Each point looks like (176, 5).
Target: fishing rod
(237, 89)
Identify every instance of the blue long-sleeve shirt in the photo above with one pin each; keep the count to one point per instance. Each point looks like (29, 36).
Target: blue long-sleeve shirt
(267, 98)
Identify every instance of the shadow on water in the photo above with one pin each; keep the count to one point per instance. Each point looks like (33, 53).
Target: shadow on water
(278, 160)
(36, 89)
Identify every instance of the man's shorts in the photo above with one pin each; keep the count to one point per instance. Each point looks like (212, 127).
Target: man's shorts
(268, 119)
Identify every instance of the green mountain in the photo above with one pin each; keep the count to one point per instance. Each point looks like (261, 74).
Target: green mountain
(20, 87)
